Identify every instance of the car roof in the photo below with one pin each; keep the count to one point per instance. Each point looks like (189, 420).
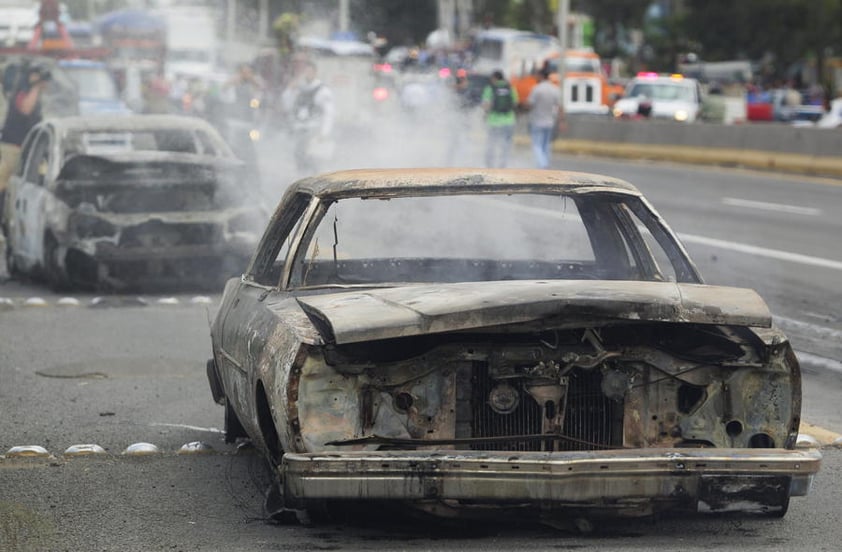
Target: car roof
(385, 183)
(128, 122)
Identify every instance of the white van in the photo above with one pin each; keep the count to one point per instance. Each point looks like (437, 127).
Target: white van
(511, 51)
(192, 44)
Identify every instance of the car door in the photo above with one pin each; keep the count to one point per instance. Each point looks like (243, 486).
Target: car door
(26, 227)
(245, 319)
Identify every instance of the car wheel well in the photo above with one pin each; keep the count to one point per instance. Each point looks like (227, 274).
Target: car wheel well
(267, 425)
(53, 273)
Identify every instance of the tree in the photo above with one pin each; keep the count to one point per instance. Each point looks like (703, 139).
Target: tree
(612, 20)
(786, 31)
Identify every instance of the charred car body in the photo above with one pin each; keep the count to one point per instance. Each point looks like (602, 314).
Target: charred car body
(120, 200)
(531, 341)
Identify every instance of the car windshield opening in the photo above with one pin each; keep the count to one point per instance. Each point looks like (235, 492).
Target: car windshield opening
(471, 238)
(664, 92)
(103, 142)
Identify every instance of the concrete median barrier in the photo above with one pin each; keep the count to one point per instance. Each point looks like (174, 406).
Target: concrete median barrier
(777, 147)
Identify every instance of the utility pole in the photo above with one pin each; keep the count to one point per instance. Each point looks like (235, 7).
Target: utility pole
(344, 14)
(561, 17)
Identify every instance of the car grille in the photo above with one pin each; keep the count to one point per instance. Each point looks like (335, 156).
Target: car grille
(159, 234)
(592, 421)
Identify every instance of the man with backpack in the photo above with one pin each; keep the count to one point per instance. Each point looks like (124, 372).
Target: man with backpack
(499, 99)
(308, 104)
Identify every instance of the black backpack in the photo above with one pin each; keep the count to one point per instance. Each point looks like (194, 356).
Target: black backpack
(502, 101)
(305, 107)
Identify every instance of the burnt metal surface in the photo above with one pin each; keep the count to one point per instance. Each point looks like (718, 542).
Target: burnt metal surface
(619, 396)
(707, 480)
(412, 310)
(395, 182)
(117, 217)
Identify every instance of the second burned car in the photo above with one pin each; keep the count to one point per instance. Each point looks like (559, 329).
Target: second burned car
(113, 201)
(474, 341)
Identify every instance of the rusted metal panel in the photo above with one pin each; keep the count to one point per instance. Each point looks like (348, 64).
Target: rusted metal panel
(414, 310)
(435, 181)
(592, 479)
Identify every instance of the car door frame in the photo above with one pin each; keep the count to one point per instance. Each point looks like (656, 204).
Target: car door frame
(27, 225)
(235, 350)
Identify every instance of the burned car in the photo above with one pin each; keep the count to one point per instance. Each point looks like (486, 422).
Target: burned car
(113, 201)
(472, 341)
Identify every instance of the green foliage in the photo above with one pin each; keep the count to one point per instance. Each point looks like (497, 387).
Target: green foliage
(784, 31)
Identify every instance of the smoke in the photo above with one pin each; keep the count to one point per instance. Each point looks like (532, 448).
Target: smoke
(419, 124)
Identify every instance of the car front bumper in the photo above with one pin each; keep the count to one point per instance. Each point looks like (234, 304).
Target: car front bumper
(759, 480)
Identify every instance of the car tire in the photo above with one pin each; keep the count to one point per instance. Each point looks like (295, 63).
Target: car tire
(233, 428)
(777, 514)
(55, 276)
(316, 513)
(11, 266)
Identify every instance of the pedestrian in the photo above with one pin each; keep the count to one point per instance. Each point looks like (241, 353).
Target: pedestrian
(462, 106)
(25, 87)
(544, 103)
(499, 99)
(247, 89)
(309, 106)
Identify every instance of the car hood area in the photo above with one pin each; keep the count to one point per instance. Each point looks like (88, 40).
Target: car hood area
(371, 314)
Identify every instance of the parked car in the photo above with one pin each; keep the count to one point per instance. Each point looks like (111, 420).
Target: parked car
(470, 341)
(114, 201)
(833, 118)
(672, 97)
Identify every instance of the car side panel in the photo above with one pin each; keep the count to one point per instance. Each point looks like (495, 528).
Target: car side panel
(260, 340)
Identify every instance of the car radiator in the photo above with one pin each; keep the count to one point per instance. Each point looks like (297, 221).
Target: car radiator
(592, 421)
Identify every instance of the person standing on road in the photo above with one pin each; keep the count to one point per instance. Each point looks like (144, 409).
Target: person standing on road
(544, 103)
(499, 99)
(24, 112)
(309, 106)
(462, 106)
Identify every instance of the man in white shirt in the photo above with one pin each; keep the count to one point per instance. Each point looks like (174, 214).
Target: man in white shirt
(544, 104)
(310, 109)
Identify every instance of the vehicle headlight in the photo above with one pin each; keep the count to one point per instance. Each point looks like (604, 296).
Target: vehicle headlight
(90, 226)
(617, 112)
(681, 115)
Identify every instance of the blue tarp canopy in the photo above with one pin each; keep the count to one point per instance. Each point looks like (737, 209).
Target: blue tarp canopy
(129, 20)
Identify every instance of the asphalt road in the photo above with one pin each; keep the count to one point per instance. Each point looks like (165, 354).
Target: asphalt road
(123, 372)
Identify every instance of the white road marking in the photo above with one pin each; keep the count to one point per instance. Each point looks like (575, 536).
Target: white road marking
(184, 426)
(779, 207)
(814, 330)
(821, 362)
(762, 251)
(687, 238)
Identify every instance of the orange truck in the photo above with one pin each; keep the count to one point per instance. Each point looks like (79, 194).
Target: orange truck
(585, 87)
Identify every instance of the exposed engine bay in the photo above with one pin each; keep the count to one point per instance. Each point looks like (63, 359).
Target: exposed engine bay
(594, 388)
